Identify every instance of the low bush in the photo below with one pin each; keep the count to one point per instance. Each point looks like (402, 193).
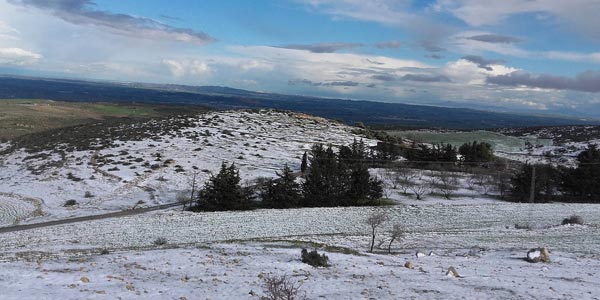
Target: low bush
(70, 203)
(160, 241)
(281, 288)
(314, 259)
(573, 220)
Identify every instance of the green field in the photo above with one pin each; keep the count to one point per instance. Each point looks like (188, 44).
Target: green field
(499, 141)
(23, 116)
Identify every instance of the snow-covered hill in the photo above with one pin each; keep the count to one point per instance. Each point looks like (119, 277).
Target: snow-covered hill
(108, 168)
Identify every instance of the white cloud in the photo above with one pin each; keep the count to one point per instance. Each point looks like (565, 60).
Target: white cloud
(18, 57)
(189, 67)
(391, 12)
(582, 15)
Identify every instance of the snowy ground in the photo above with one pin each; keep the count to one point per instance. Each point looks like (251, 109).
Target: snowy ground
(152, 170)
(221, 255)
(234, 271)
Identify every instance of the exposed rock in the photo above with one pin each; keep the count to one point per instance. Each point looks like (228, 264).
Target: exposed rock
(420, 254)
(537, 255)
(409, 265)
(85, 279)
(452, 272)
(431, 253)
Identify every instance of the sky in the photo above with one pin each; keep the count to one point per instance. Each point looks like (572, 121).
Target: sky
(539, 56)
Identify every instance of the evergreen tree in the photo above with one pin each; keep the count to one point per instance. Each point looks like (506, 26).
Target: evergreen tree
(320, 186)
(476, 152)
(547, 182)
(582, 183)
(304, 164)
(223, 191)
(283, 192)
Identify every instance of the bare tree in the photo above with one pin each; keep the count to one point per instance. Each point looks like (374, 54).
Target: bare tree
(282, 288)
(403, 179)
(375, 219)
(501, 182)
(396, 233)
(419, 189)
(192, 193)
(445, 183)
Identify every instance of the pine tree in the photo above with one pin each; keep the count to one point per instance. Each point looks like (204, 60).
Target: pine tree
(283, 192)
(321, 187)
(304, 164)
(223, 191)
(582, 183)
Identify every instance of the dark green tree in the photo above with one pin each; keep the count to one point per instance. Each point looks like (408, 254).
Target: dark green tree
(282, 192)
(476, 152)
(304, 164)
(223, 192)
(547, 183)
(583, 182)
(322, 186)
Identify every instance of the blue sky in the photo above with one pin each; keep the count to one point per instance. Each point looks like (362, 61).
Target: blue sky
(538, 56)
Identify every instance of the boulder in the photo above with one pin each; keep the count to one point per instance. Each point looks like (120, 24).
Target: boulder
(420, 254)
(537, 255)
(452, 272)
(409, 265)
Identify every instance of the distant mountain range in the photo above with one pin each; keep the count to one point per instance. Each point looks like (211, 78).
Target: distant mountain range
(349, 111)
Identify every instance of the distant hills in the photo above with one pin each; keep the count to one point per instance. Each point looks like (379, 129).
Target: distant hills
(349, 111)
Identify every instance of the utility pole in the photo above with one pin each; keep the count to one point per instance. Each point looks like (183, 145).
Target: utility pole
(532, 189)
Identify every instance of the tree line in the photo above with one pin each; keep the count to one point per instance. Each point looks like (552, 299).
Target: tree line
(580, 184)
(331, 178)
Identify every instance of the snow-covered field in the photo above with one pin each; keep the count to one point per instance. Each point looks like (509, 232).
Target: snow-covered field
(152, 170)
(13, 209)
(234, 271)
(221, 255)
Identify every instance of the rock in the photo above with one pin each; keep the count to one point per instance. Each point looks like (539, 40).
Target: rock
(409, 265)
(85, 279)
(420, 254)
(537, 255)
(452, 272)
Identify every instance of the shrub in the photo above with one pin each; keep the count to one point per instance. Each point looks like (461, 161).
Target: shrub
(70, 203)
(314, 259)
(88, 194)
(281, 288)
(104, 252)
(160, 241)
(573, 220)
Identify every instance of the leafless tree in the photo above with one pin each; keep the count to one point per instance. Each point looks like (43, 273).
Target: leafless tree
(501, 182)
(445, 183)
(403, 179)
(375, 219)
(189, 196)
(419, 189)
(396, 233)
(282, 288)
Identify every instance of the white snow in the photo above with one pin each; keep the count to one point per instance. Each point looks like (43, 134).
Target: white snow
(121, 176)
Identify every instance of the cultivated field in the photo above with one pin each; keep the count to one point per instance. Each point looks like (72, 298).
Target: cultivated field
(20, 117)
